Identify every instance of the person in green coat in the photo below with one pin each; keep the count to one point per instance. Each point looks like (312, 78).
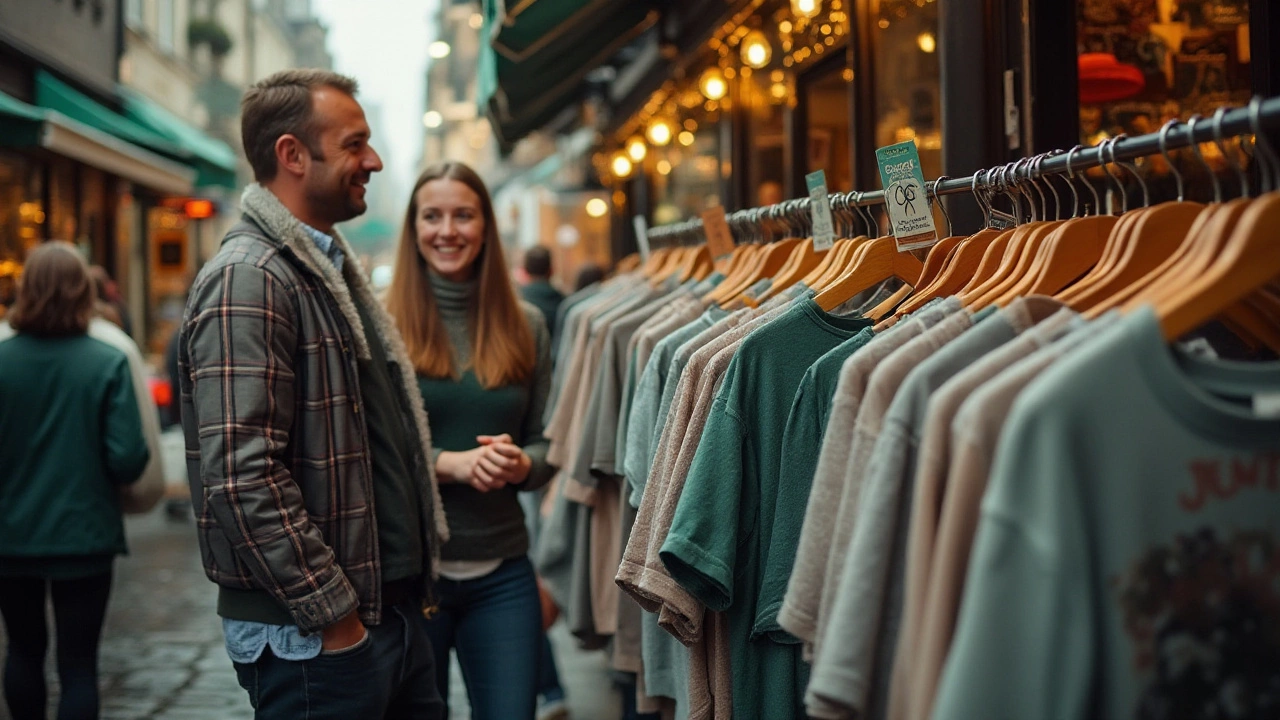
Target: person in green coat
(70, 437)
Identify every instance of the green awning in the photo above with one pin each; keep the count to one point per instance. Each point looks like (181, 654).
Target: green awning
(558, 42)
(53, 94)
(527, 26)
(215, 162)
(20, 123)
(31, 126)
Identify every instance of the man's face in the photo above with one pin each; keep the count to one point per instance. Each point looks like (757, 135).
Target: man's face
(335, 181)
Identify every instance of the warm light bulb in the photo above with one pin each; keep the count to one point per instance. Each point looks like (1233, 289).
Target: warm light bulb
(664, 167)
(686, 138)
(597, 207)
(927, 42)
(433, 119)
(476, 21)
(659, 133)
(621, 166)
(756, 51)
(439, 49)
(806, 8)
(712, 84)
(636, 149)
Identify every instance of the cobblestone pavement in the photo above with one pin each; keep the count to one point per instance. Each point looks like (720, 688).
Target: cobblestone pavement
(162, 650)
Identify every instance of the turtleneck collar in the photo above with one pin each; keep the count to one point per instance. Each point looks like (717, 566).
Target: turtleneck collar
(453, 298)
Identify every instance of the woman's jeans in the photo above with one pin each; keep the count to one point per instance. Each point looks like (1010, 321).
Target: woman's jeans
(79, 608)
(495, 624)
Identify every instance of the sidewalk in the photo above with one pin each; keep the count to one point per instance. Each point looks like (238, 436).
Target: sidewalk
(162, 650)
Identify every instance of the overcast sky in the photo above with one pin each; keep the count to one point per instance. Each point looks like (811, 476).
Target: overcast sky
(383, 45)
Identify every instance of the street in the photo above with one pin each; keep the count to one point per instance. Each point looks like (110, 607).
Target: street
(162, 651)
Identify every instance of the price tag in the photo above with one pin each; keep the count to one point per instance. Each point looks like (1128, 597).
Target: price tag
(642, 235)
(824, 231)
(905, 196)
(719, 239)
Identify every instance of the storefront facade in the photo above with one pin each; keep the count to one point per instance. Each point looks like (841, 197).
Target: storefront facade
(734, 104)
(82, 159)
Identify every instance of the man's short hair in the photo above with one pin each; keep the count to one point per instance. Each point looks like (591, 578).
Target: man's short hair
(537, 262)
(281, 105)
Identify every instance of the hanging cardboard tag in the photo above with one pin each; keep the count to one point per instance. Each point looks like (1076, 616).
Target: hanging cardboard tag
(642, 235)
(905, 196)
(719, 239)
(824, 231)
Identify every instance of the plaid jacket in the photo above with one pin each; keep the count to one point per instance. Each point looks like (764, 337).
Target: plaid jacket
(276, 443)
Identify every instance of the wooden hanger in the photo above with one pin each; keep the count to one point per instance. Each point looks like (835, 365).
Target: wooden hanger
(878, 261)
(1024, 273)
(1249, 261)
(764, 265)
(628, 263)
(960, 269)
(657, 258)
(1154, 236)
(697, 264)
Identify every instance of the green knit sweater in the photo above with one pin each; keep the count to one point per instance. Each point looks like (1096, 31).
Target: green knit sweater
(486, 526)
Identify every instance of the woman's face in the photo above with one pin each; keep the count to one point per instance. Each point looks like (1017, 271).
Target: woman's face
(450, 228)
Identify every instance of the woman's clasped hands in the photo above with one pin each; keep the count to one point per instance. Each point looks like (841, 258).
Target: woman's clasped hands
(496, 463)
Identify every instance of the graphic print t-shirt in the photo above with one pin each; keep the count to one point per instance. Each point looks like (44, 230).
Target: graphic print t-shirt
(1127, 561)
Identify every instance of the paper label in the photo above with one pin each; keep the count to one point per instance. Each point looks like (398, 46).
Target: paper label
(1266, 405)
(719, 239)
(905, 197)
(824, 231)
(642, 235)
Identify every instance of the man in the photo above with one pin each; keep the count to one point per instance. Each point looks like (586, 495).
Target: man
(318, 514)
(539, 290)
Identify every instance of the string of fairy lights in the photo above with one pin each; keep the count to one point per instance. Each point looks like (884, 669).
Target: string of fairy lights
(760, 48)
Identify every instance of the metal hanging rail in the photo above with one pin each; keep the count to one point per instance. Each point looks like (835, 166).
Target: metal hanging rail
(1260, 115)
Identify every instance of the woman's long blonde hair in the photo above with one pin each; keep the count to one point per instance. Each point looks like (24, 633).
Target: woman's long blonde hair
(503, 350)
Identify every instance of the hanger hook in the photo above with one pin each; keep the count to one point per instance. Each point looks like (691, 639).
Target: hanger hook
(1057, 199)
(1262, 146)
(973, 189)
(1033, 174)
(1164, 151)
(1227, 154)
(1195, 149)
(1020, 186)
(863, 215)
(1132, 166)
(1097, 199)
(1102, 148)
(941, 206)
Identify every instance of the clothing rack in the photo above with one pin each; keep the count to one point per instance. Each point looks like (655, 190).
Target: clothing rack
(1258, 116)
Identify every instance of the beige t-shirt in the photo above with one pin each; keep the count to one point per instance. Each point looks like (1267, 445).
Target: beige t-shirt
(930, 489)
(974, 432)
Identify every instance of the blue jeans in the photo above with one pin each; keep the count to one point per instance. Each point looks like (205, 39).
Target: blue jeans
(495, 624)
(390, 675)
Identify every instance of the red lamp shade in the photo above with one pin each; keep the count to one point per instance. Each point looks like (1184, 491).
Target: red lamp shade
(1105, 79)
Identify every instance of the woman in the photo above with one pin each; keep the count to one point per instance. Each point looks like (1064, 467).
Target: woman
(70, 436)
(484, 368)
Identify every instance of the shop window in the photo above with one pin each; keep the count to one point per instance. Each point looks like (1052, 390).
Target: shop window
(1145, 61)
(22, 219)
(686, 173)
(766, 95)
(907, 78)
(829, 126)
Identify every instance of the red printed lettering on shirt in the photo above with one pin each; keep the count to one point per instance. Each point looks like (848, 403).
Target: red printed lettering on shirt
(1221, 480)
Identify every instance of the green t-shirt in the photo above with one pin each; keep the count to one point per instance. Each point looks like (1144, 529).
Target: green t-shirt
(723, 523)
(806, 424)
(1125, 560)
